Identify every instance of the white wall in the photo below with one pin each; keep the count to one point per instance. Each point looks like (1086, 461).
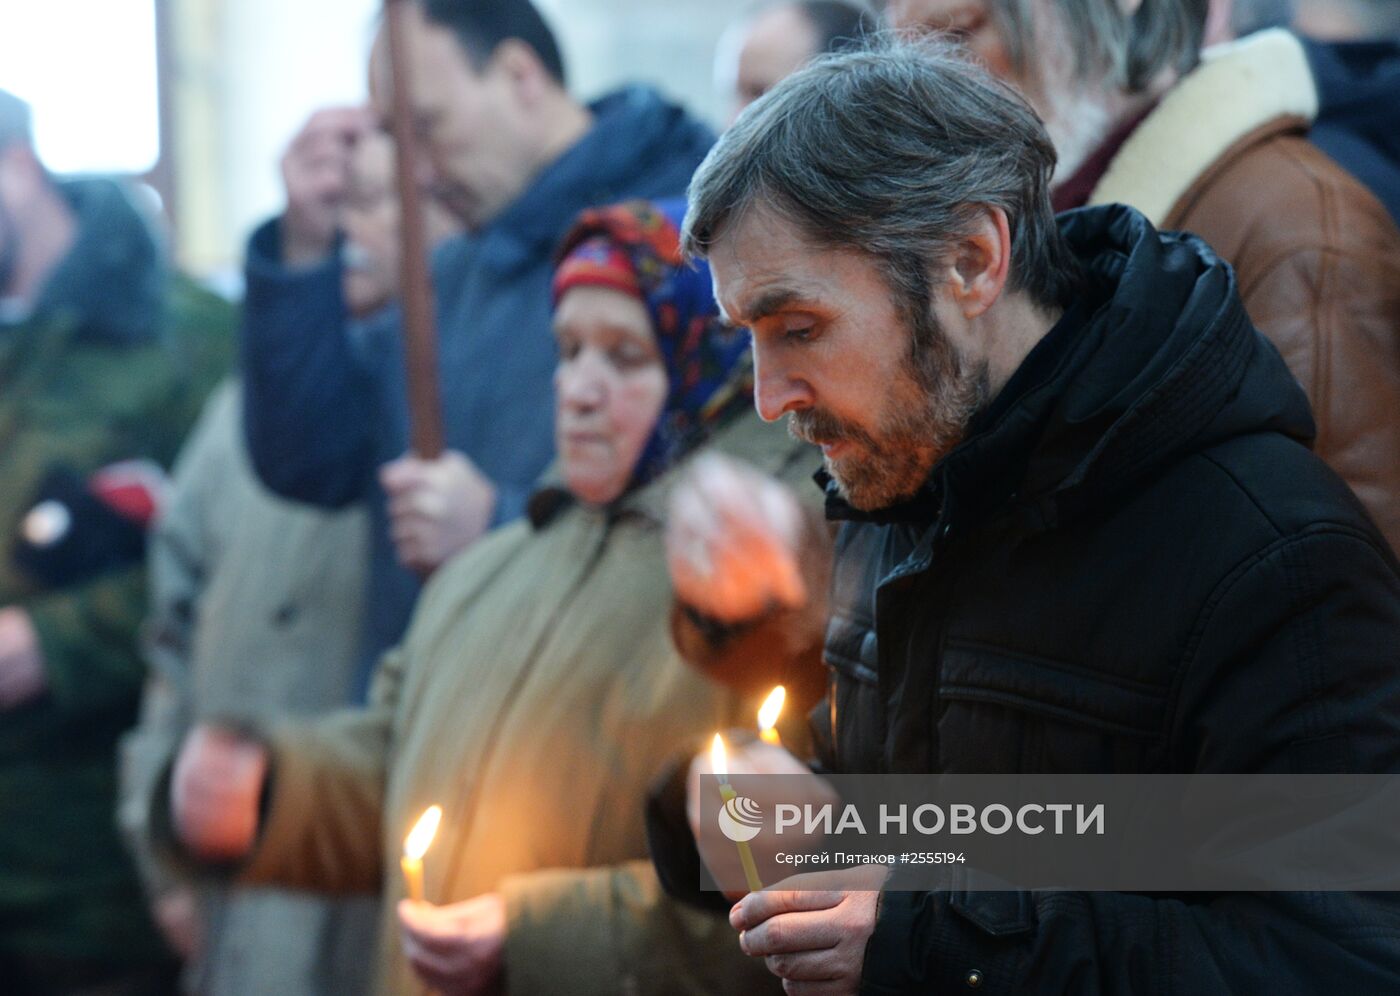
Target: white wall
(667, 43)
(278, 60)
(78, 127)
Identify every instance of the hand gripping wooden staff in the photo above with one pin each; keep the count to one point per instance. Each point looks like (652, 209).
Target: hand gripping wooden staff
(415, 284)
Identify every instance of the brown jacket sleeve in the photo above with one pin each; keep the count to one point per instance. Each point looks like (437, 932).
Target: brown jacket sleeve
(1323, 284)
(324, 808)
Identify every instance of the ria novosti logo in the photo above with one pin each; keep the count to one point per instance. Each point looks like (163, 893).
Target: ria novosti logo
(740, 819)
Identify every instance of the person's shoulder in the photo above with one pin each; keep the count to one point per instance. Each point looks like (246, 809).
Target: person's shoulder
(1243, 173)
(635, 104)
(186, 297)
(475, 567)
(222, 414)
(638, 117)
(1260, 489)
(199, 341)
(1312, 247)
(1295, 197)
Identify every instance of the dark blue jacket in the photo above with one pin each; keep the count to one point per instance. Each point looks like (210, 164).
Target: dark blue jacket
(325, 408)
(1358, 118)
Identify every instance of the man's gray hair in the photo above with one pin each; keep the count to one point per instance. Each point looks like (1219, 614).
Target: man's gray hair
(1130, 52)
(16, 121)
(892, 151)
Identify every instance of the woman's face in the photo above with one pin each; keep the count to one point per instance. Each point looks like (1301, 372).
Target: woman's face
(610, 386)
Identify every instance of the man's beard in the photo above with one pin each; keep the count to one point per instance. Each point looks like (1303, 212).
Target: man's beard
(1077, 128)
(926, 414)
(1075, 111)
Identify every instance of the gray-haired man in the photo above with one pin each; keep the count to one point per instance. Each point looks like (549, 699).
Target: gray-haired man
(1081, 531)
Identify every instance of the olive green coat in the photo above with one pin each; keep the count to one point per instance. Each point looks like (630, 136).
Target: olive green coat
(112, 364)
(534, 697)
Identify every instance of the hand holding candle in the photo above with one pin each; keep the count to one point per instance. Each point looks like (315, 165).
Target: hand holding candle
(458, 948)
(415, 845)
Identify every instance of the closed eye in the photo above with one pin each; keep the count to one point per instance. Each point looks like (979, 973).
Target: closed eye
(630, 357)
(568, 347)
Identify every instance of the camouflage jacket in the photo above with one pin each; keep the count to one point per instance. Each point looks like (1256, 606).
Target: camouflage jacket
(111, 364)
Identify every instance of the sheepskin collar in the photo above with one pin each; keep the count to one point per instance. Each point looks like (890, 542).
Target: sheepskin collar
(1239, 89)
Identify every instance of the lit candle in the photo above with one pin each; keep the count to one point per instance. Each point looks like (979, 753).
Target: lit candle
(415, 845)
(726, 791)
(768, 716)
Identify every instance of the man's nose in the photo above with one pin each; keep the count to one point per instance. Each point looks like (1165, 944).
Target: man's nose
(777, 388)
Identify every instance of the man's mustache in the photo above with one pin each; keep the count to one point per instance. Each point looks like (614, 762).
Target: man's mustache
(818, 426)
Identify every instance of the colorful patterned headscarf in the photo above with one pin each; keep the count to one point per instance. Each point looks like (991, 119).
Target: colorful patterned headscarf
(635, 248)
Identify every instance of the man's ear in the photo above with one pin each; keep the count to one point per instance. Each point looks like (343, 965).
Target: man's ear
(521, 67)
(975, 275)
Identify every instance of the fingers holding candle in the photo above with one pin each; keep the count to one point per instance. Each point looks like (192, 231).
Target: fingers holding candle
(813, 928)
(457, 948)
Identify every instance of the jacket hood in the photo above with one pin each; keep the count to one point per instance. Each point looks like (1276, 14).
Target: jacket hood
(1154, 358)
(110, 283)
(634, 130)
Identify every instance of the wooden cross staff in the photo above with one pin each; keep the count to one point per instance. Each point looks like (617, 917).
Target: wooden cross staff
(415, 284)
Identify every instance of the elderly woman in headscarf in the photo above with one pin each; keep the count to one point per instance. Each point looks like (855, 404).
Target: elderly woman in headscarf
(537, 691)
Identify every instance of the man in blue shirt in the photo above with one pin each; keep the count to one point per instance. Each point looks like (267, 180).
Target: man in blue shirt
(515, 158)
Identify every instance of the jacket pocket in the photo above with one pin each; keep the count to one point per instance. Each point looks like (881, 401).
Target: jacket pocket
(1003, 711)
(1000, 914)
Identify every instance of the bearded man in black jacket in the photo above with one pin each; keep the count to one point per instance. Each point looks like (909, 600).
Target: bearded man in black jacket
(1080, 531)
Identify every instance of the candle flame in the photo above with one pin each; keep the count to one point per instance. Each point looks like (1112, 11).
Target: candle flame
(771, 709)
(718, 760)
(420, 838)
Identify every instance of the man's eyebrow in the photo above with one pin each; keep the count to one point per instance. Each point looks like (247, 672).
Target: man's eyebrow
(767, 303)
